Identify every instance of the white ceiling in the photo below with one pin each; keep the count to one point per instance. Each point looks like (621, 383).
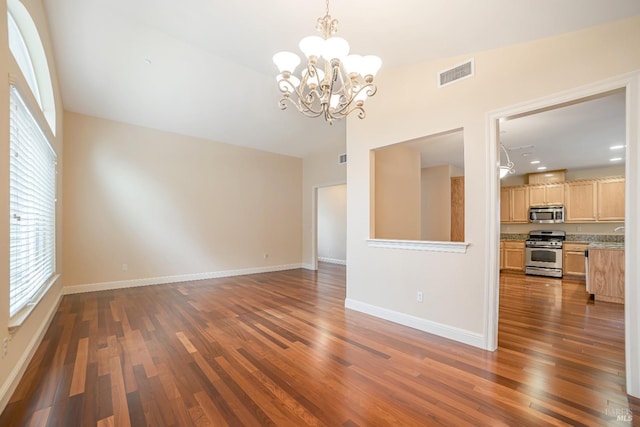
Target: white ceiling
(203, 67)
(446, 148)
(577, 136)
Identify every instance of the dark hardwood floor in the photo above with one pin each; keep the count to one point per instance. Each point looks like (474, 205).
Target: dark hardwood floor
(280, 349)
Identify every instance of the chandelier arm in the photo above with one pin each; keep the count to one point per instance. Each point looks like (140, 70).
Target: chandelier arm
(308, 102)
(301, 107)
(304, 103)
(359, 108)
(345, 110)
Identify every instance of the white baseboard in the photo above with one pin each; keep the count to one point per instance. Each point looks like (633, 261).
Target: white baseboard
(450, 332)
(105, 286)
(307, 266)
(333, 260)
(12, 381)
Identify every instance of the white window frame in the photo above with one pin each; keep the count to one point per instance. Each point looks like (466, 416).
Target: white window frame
(32, 177)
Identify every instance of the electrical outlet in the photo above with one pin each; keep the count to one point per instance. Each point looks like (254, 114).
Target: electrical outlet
(125, 267)
(266, 256)
(419, 296)
(5, 346)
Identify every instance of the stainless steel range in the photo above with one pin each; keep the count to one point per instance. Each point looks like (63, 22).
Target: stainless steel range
(544, 253)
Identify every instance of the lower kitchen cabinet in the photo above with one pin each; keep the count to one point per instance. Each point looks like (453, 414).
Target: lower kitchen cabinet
(573, 263)
(513, 255)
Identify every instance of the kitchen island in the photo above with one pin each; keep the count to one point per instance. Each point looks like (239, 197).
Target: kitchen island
(605, 275)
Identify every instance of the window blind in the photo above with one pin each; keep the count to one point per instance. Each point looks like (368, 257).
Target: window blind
(32, 192)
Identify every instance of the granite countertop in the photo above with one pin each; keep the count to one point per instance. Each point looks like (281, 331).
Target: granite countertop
(615, 239)
(606, 245)
(596, 238)
(514, 236)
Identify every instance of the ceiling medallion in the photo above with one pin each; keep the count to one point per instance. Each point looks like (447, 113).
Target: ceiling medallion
(334, 84)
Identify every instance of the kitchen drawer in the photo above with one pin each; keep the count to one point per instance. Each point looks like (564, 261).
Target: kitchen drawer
(515, 244)
(575, 247)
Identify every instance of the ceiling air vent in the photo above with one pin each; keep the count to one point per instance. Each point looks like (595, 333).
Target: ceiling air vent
(342, 159)
(457, 73)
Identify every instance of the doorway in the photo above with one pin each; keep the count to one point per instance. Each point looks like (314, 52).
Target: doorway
(630, 85)
(329, 235)
(332, 224)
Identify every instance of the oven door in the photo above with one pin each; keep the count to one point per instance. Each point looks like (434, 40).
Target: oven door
(544, 257)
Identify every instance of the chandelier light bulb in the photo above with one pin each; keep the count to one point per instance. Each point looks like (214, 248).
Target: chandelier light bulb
(286, 61)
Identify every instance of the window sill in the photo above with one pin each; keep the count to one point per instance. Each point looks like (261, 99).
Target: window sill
(419, 245)
(21, 316)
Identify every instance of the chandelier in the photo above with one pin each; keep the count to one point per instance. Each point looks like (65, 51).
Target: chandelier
(509, 167)
(334, 84)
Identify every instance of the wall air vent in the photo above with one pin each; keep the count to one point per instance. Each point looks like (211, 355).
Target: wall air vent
(455, 74)
(342, 159)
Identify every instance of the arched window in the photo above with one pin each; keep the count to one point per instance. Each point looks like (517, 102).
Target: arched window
(32, 167)
(26, 47)
(18, 48)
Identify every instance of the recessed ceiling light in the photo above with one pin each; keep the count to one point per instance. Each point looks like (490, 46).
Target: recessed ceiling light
(615, 159)
(542, 168)
(616, 147)
(535, 162)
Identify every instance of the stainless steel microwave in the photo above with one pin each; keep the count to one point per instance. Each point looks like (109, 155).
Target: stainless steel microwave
(546, 214)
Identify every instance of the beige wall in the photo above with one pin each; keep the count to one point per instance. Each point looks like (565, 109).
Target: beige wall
(397, 193)
(169, 205)
(385, 281)
(332, 223)
(22, 340)
(435, 215)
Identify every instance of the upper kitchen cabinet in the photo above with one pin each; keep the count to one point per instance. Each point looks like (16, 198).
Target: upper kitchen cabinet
(546, 195)
(514, 204)
(596, 200)
(580, 199)
(611, 200)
